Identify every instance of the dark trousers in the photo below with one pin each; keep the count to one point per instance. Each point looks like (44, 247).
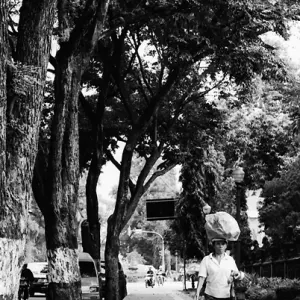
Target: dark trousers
(208, 297)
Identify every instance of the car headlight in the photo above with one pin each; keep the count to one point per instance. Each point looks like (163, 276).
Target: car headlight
(94, 289)
(42, 280)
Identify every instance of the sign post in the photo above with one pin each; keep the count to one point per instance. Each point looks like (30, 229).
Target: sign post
(160, 209)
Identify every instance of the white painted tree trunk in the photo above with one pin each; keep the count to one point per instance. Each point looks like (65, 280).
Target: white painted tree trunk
(63, 265)
(11, 253)
(64, 275)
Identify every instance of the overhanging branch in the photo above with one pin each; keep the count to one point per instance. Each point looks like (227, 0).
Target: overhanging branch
(158, 174)
(118, 166)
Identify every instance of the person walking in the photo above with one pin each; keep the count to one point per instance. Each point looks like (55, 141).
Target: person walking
(216, 273)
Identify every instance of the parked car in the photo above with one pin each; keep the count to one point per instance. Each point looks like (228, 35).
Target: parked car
(122, 280)
(40, 282)
(89, 278)
(88, 272)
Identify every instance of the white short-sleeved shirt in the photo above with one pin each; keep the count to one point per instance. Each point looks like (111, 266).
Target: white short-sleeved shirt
(217, 275)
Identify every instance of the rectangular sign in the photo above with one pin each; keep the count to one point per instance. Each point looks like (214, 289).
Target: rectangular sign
(160, 209)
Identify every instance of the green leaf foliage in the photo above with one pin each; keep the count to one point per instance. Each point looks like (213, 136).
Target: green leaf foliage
(280, 209)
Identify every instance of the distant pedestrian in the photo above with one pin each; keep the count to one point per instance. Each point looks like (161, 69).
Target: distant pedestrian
(27, 277)
(216, 273)
(149, 279)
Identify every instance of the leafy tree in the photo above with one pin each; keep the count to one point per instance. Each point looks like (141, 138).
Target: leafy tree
(262, 131)
(279, 211)
(196, 194)
(149, 95)
(200, 177)
(261, 134)
(135, 258)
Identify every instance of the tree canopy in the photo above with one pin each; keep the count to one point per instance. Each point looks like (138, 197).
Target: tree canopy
(152, 75)
(151, 64)
(279, 211)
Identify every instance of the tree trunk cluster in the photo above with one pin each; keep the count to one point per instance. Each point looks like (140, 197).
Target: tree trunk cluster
(23, 74)
(23, 68)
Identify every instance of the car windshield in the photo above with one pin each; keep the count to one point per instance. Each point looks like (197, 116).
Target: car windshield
(87, 269)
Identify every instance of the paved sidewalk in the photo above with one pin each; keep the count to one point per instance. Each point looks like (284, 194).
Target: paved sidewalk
(170, 296)
(169, 291)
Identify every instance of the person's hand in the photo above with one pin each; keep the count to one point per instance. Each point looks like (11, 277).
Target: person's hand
(235, 274)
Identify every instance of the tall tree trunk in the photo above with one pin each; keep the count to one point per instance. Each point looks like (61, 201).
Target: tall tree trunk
(111, 259)
(76, 47)
(20, 113)
(94, 173)
(7, 244)
(116, 222)
(93, 208)
(60, 215)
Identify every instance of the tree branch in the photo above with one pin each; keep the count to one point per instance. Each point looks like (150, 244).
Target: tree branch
(51, 71)
(113, 160)
(157, 174)
(118, 166)
(188, 98)
(119, 80)
(129, 65)
(12, 24)
(162, 92)
(136, 47)
(142, 88)
(141, 189)
(88, 28)
(160, 58)
(53, 61)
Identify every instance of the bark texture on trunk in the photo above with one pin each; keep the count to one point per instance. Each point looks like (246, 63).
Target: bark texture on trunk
(64, 275)
(10, 251)
(79, 31)
(111, 260)
(79, 34)
(21, 89)
(94, 173)
(64, 290)
(93, 208)
(3, 99)
(60, 214)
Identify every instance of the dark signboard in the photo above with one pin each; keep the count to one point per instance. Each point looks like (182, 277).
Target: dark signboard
(160, 209)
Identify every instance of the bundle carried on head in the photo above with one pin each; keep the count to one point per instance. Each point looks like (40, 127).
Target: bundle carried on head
(222, 225)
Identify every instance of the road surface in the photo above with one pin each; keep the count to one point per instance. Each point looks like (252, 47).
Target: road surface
(137, 291)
